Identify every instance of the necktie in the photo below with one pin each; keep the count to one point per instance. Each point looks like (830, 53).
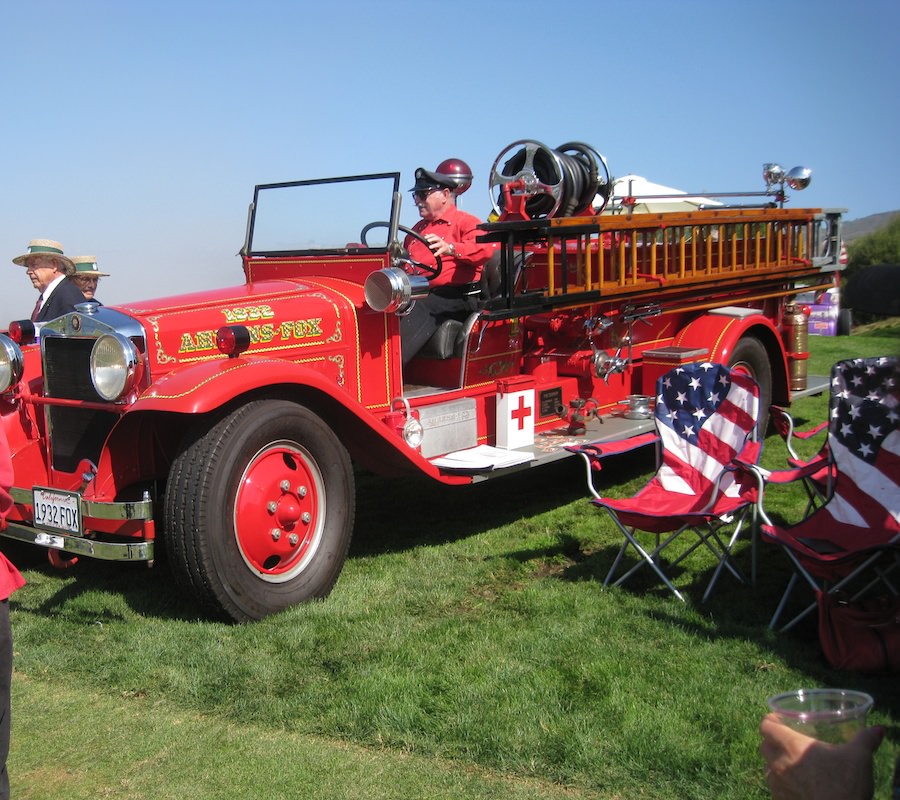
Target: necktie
(37, 307)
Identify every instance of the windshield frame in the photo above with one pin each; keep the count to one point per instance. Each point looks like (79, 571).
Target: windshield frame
(248, 250)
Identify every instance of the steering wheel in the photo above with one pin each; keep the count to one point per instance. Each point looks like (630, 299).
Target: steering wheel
(538, 169)
(431, 271)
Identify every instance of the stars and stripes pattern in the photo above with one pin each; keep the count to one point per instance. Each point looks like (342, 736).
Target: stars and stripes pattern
(848, 539)
(706, 415)
(864, 438)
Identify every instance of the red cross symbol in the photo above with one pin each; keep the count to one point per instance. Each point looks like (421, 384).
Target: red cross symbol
(521, 413)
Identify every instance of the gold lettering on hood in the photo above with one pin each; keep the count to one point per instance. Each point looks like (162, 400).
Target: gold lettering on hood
(287, 331)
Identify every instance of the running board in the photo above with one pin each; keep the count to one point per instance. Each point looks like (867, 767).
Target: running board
(815, 384)
(485, 462)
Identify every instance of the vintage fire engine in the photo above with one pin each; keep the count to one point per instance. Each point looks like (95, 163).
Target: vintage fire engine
(226, 424)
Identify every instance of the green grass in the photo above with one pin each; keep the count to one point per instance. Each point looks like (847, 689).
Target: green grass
(469, 650)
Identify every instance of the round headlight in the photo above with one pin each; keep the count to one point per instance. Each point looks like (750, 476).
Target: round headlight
(114, 363)
(11, 363)
(413, 432)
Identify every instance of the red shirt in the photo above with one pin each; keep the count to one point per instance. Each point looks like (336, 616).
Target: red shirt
(10, 579)
(459, 229)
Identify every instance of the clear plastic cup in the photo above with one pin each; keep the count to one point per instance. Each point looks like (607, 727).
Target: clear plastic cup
(829, 715)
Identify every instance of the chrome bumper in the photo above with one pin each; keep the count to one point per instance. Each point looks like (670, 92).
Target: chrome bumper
(138, 550)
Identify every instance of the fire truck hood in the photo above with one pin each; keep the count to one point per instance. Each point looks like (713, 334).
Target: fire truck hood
(279, 314)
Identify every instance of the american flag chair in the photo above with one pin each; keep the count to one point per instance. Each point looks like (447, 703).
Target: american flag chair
(706, 416)
(853, 540)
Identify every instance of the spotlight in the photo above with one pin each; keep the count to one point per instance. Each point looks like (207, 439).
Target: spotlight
(773, 174)
(799, 177)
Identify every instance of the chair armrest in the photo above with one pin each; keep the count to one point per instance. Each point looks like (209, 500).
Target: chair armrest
(784, 424)
(765, 476)
(798, 473)
(599, 450)
(594, 452)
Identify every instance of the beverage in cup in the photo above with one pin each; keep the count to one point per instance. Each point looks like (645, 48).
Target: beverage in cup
(829, 715)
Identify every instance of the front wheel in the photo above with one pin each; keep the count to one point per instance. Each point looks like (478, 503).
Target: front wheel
(751, 358)
(259, 510)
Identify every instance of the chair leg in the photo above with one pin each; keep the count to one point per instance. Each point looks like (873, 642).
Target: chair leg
(725, 561)
(881, 576)
(783, 602)
(646, 558)
(709, 537)
(754, 541)
(724, 552)
(615, 564)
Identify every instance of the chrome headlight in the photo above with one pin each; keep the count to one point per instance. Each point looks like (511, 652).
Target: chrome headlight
(11, 363)
(114, 366)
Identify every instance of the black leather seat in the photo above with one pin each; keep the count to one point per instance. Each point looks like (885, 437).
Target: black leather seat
(449, 339)
(445, 341)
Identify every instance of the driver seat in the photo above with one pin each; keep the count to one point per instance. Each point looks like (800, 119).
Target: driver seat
(449, 339)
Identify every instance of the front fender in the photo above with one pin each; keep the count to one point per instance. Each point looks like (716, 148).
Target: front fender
(202, 388)
(199, 388)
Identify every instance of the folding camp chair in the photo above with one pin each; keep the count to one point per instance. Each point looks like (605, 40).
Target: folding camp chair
(854, 538)
(705, 416)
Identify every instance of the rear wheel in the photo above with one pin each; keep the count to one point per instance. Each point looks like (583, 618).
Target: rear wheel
(844, 322)
(259, 510)
(750, 357)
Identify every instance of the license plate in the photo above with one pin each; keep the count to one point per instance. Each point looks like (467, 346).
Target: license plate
(57, 510)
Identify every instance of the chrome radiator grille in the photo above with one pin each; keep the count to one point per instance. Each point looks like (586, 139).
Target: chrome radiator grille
(67, 368)
(75, 433)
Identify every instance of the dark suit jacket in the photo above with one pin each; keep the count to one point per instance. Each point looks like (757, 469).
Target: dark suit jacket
(62, 300)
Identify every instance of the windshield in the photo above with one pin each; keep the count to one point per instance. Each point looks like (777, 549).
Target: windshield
(324, 215)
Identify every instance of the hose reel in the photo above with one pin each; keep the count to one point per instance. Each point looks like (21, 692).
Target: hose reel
(536, 181)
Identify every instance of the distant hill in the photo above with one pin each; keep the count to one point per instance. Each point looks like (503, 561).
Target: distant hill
(855, 228)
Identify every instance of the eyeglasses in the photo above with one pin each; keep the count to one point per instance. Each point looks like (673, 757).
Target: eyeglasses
(426, 193)
(86, 279)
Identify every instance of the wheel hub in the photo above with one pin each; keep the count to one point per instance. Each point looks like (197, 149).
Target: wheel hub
(278, 511)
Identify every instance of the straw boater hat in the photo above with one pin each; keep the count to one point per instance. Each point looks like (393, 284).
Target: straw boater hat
(86, 266)
(45, 247)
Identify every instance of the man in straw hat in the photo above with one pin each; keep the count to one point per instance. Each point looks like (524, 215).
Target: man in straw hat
(87, 276)
(47, 267)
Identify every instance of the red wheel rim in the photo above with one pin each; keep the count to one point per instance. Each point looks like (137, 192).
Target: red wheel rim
(279, 511)
(742, 368)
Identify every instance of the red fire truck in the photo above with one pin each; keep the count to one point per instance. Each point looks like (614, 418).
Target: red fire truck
(228, 423)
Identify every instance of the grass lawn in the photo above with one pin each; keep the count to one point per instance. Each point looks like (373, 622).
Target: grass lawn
(469, 650)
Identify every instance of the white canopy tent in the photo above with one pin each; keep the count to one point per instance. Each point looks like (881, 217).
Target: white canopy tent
(652, 198)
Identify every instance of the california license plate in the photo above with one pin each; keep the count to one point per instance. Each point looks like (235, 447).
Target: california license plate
(57, 510)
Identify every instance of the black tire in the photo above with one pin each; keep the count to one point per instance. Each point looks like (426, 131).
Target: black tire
(259, 510)
(844, 322)
(751, 357)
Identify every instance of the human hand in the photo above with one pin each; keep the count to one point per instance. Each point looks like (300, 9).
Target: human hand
(439, 246)
(799, 767)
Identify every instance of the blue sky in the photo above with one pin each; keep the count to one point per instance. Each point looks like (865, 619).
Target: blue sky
(135, 130)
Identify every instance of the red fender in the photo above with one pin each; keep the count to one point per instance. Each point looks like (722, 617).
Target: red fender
(203, 387)
(720, 331)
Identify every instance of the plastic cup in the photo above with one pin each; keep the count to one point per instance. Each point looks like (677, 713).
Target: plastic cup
(829, 715)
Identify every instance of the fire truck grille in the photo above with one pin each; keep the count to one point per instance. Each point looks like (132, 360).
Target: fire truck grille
(67, 369)
(75, 433)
